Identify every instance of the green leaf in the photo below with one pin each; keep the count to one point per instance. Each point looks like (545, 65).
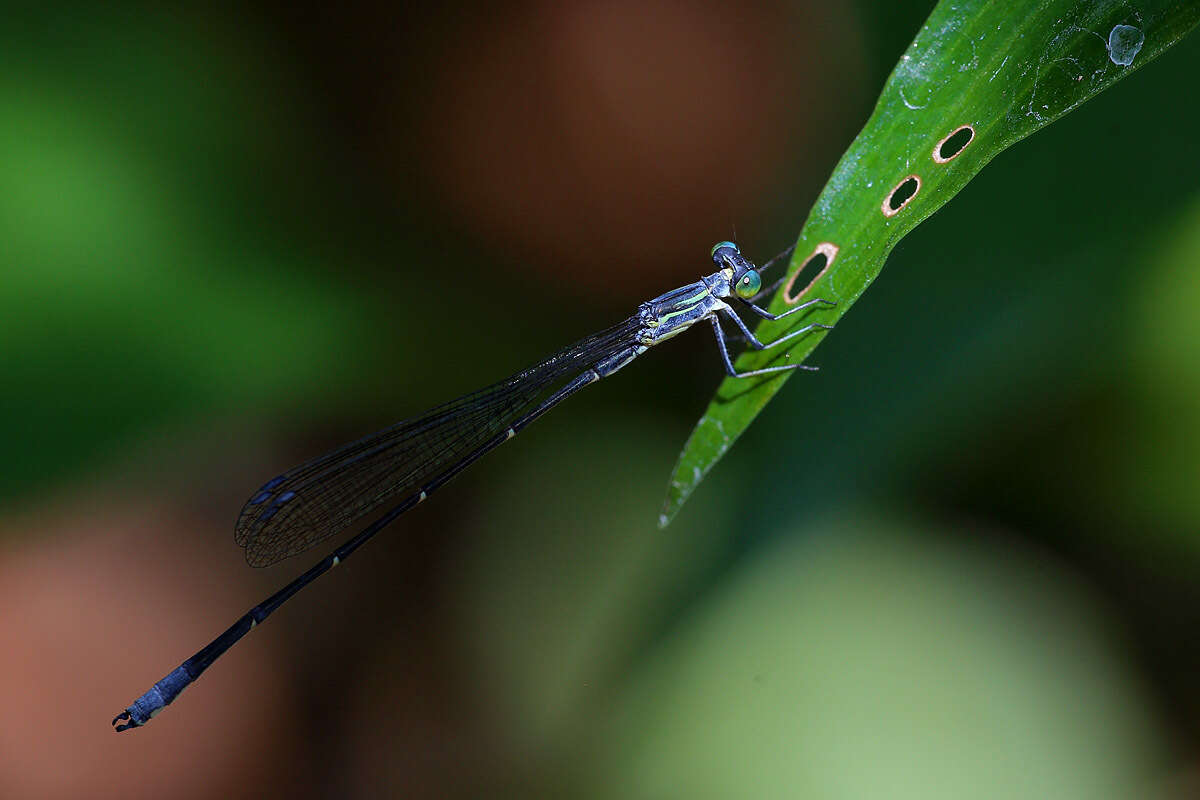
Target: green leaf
(1003, 69)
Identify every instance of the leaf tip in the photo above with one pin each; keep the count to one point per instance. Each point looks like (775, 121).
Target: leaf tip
(677, 495)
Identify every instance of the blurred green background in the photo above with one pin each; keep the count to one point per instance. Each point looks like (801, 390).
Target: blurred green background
(960, 561)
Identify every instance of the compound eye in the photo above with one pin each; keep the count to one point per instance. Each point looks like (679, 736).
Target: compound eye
(749, 284)
(719, 246)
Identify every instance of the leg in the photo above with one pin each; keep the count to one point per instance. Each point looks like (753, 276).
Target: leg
(762, 312)
(770, 290)
(765, 267)
(785, 254)
(757, 345)
(729, 364)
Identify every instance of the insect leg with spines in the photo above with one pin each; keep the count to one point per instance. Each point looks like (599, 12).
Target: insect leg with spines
(733, 373)
(762, 312)
(753, 340)
(782, 279)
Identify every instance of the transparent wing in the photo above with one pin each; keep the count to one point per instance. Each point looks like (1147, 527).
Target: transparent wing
(320, 498)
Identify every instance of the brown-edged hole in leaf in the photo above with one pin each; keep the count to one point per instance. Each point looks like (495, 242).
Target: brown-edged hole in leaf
(810, 272)
(952, 145)
(904, 192)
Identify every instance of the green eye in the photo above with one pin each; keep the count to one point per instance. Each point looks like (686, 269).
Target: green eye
(719, 245)
(749, 285)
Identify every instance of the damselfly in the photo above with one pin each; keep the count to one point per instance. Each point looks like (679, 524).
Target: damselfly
(405, 463)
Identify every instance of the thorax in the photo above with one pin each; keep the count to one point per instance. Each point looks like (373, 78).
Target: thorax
(674, 312)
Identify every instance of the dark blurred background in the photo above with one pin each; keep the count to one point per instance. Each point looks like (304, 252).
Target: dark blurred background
(960, 561)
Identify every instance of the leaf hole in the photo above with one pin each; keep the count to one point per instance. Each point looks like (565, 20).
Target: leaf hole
(953, 144)
(901, 196)
(810, 271)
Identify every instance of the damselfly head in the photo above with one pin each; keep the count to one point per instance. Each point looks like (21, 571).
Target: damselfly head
(727, 255)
